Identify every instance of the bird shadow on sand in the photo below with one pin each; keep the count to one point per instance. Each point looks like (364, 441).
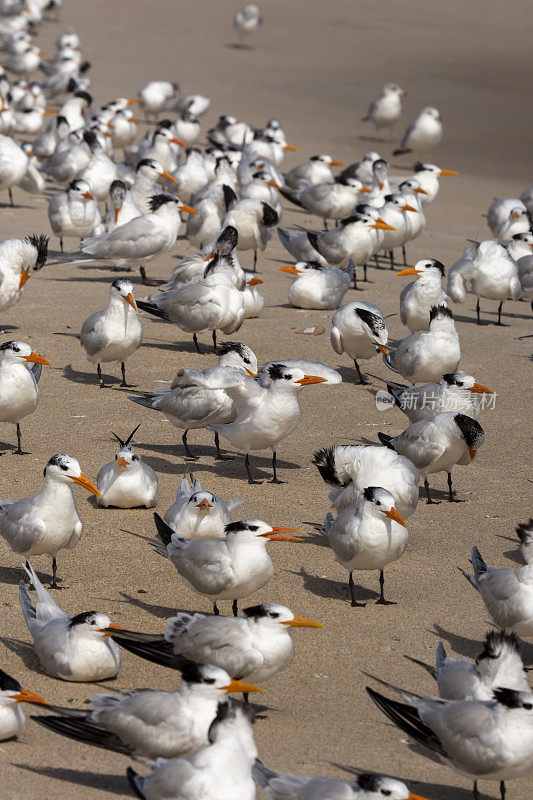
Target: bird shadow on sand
(162, 612)
(433, 791)
(337, 590)
(97, 279)
(78, 376)
(116, 784)
(183, 346)
(460, 644)
(349, 375)
(513, 555)
(13, 575)
(317, 536)
(8, 328)
(24, 650)
(7, 447)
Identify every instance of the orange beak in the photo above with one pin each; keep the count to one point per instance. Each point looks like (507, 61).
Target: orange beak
(29, 697)
(240, 686)
(419, 190)
(110, 125)
(204, 504)
(117, 212)
(291, 147)
(381, 225)
(254, 282)
(86, 483)
(36, 359)
(407, 207)
(250, 373)
(335, 163)
(122, 462)
(472, 453)
(210, 256)
(364, 190)
(134, 120)
(167, 175)
(109, 631)
(88, 195)
(408, 271)
(290, 268)
(448, 172)
(283, 538)
(274, 184)
(24, 275)
(479, 389)
(307, 380)
(302, 622)
(109, 135)
(393, 514)
(188, 209)
(130, 299)
(383, 350)
(49, 113)
(178, 141)
(411, 795)
(133, 100)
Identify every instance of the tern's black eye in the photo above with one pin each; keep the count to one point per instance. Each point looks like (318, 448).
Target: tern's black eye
(15, 348)
(254, 528)
(460, 383)
(528, 706)
(386, 792)
(209, 680)
(247, 361)
(273, 614)
(288, 377)
(134, 458)
(63, 467)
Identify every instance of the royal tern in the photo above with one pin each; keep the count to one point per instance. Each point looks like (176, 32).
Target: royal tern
(418, 298)
(161, 147)
(99, 172)
(221, 255)
(498, 665)
(151, 724)
(197, 104)
(198, 514)
(349, 469)
(518, 221)
(186, 129)
(246, 22)
(368, 786)
(427, 176)
(19, 259)
(331, 376)
(47, 522)
(147, 174)
(416, 221)
(204, 227)
(156, 96)
(253, 220)
(126, 482)
(482, 740)
(72, 648)
(428, 355)
(222, 771)
(141, 239)
(262, 187)
(13, 164)
(393, 212)
(507, 594)
(387, 108)
(457, 392)
(315, 286)
(359, 330)
(519, 246)
(499, 211)
(74, 212)
(19, 394)
(491, 274)
(327, 200)
(24, 62)
(264, 416)
(363, 540)
(67, 162)
(423, 134)
(362, 170)
(196, 400)
(123, 208)
(75, 108)
(228, 568)
(115, 333)
(316, 170)
(436, 443)
(12, 719)
(525, 537)
(254, 647)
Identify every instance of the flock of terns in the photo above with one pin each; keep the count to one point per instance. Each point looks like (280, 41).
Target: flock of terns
(121, 198)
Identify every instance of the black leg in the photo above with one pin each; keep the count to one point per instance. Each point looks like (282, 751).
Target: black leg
(219, 456)
(216, 612)
(255, 259)
(500, 313)
(479, 320)
(275, 475)
(61, 243)
(235, 609)
(361, 379)
(11, 197)
(18, 451)
(143, 275)
(502, 790)
(382, 601)
(404, 255)
(351, 584)
(451, 494)
(123, 370)
(376, 259)
(100, 379)
(391, 256)
(475, 792)
(195, 340)
(245, 698)
(214, 341)
(188, 452)
(325, 225)
(248, 470)
(430, 502)
(54, 585)
(365, 268)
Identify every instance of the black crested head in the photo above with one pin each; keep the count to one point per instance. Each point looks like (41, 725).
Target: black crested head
(40, 242)
(57, 461)
(525, 531)
(472, 432)
(314, 265)
(145, 162)
(369, 492)
(192, 672)
(7, 683)
(495, 642)
(351, 219)
(270, 215)
(315, 158)
(85, 67)
(227, 240)
(71, 85)
(61, 120)
(76, 184)
(90, 138)
(389, 198)
(343, 180)
(165, 123)
(369, 782)
(158, 200)
(438, 265)
(324, 461)
(509, 698)
(450, 378)
(418, 167)
(120, 284)
(81, 619)
(235, 527)
(255, 611)
(276, 372)
(7, 345)
(118, 188)
(375, 323)
(380, 163)
(230, 197)
(439, 312)
(231, 347)
(85, 95)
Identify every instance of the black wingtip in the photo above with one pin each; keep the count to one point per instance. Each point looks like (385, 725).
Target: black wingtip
(385, 439)
(165, 531)
(131, 775)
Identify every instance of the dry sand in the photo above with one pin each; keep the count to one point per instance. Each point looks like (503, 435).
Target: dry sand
(316, 66)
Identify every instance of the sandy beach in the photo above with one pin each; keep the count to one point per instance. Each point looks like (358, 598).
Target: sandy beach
(315, 68)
